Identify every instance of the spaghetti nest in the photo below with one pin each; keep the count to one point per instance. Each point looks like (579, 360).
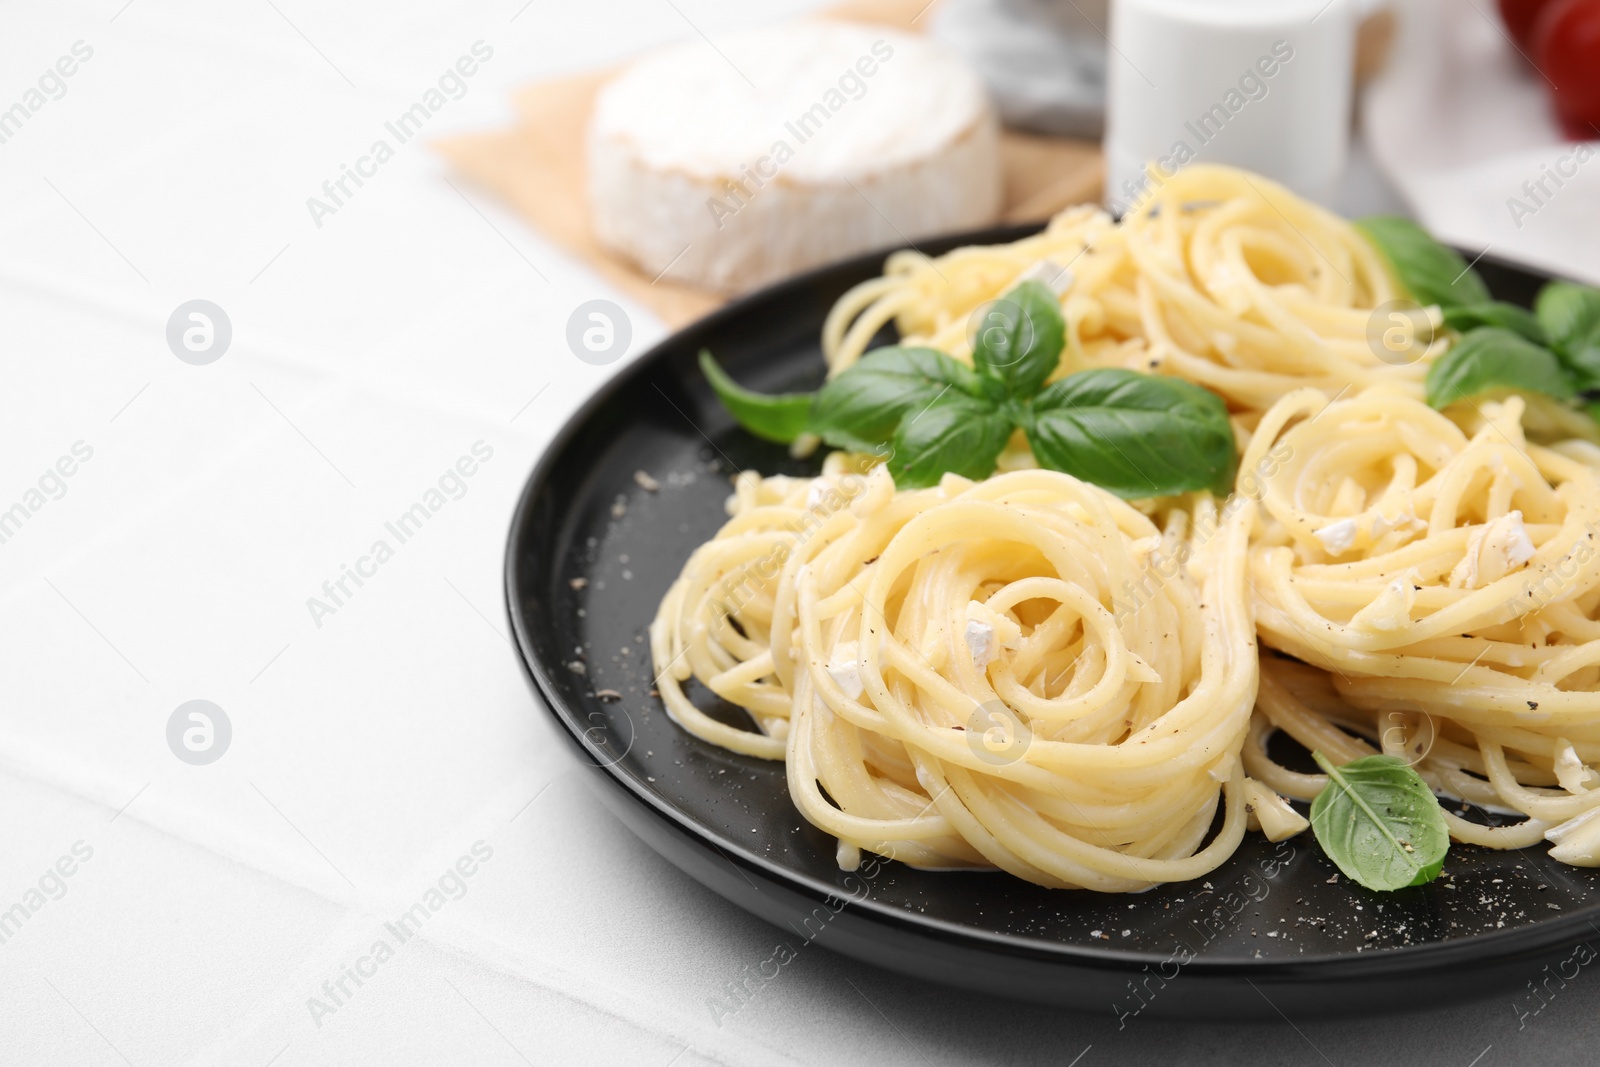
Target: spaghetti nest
(1448, 586)
(952, 680)
(1220, 277)
(1028, 673)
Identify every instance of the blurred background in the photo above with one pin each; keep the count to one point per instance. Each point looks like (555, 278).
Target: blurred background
(242, 340)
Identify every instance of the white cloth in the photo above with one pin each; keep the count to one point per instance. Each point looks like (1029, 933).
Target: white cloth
(1459, 122)
(370, 754)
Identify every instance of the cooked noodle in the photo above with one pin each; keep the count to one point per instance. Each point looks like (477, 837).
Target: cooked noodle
(1449, 585)
(1221, 278)
(942, 673)
(1030, 674)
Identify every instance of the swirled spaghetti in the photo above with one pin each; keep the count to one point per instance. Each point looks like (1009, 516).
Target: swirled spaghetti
(1220, 277)
(1027, 673)
(1449, 586)
(944, 673)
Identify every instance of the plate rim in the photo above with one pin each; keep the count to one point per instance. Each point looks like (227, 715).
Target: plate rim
(1473, 949)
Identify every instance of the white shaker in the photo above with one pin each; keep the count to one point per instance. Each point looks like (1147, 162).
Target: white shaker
(1259, 84)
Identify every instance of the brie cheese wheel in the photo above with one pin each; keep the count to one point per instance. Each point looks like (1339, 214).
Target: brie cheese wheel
(731, 165)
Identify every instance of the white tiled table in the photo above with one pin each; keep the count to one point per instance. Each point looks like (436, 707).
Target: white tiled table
(372, 751)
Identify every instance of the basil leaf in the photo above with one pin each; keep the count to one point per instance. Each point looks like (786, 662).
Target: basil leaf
(778, 417)
(861, 408)
(1379, 823)
(1495, 313)
(1492, 358)
(1570, 315)
(1137, 435)
(957, 433)
(1432, 273)
(1020, 339)
(1583, 366)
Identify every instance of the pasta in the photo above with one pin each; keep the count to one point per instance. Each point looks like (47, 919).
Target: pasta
(943, 665)
(1028, 673)
(1255, 296)
(1448, 585)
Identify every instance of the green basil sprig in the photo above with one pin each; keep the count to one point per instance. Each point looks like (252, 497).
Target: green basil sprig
(1432, 273)
(1020, 339)
(958, 433)
(1380, 823)
(1492, 358)
(780, 417)
(1137, 435)
(1496, 314)
(862, 408)
(1570, 316)
(1553, 350)
(1134, 434)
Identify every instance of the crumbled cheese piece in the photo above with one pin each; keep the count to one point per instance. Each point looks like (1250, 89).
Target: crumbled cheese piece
(1057, 279)
(849, 857)
(1494, 550)
(845, 669)
(816, 494)
(981, 643)
(1003, 632)
(1404, 520)
(1270, 813)
(1519, 546)
(1337, 537)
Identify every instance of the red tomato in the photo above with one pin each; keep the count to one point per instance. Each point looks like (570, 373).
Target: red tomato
(1566, 46)
(1519, 17)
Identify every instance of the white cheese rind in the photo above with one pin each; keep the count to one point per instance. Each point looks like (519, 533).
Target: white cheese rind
(910, 150)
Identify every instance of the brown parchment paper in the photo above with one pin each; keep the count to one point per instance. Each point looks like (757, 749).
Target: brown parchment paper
(537, 167)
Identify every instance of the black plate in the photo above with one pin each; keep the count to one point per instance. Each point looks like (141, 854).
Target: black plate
(1272, 929)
